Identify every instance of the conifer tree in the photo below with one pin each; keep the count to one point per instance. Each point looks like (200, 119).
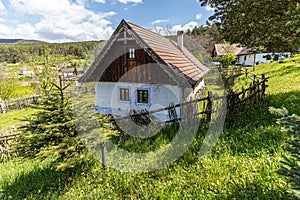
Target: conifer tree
(291, 164)
(51, 132)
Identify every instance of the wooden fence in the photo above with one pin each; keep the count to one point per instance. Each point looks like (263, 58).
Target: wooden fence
(254, 93)
(203, 108)
(17, 104)
(21, 103)
(236, 101)
(7, 136)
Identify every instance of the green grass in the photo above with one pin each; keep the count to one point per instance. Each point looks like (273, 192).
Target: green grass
(284, 83)
(13, 118)
(242, 165)
(13, 69)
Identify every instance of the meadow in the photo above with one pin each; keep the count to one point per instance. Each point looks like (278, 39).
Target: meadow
(242, 165)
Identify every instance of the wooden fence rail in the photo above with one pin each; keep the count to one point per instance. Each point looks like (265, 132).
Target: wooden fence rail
(7, 135)
(17, 104)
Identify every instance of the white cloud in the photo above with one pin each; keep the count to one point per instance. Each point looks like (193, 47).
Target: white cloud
(100, 1)
(2, 8)
(173, 30)
(131, 1)
(208, 8)
(159, 21)
(4, 30)
(187, 26)
(199, 16)
(60, 20)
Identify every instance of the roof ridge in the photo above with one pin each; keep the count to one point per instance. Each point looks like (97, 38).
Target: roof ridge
(130, 23)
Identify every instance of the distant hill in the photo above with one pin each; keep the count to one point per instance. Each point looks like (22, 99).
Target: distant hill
(18, 41)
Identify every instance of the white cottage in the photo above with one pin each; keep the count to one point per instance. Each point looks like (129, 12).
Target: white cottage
(139, 70)
(244, 55)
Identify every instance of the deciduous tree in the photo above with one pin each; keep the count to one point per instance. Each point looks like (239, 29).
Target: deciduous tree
(273, 24)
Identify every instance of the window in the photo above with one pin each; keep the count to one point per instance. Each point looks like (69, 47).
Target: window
(124, 94)
(268, 57)
(245, 58)
(131, 53)
(142, 96)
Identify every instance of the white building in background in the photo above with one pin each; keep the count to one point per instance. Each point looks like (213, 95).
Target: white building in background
(245, 57)
(26, 71)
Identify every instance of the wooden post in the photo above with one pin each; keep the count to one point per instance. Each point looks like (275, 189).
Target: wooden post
(263, 84)
(209, 107)
(246, 72)
(254, 89)
(102, 145)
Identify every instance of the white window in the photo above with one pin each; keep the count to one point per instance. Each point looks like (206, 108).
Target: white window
(131, 54)
(142, 96)
(124, 94)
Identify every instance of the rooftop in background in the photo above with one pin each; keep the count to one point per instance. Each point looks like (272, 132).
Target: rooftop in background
(236, 49)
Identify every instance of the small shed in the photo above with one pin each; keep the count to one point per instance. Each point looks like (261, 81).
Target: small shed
(138, 69)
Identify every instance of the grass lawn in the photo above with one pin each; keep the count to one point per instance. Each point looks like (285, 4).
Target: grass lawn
(13, 118)
(242, 165)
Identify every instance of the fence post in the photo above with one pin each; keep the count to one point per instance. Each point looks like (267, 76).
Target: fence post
(263, 84)
(246, 72)
(209, 107)
(102, 146)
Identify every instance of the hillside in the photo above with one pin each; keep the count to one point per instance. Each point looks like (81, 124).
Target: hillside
(242, 165)
(18, 41)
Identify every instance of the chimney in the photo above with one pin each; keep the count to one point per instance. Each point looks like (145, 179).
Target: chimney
(180, 39)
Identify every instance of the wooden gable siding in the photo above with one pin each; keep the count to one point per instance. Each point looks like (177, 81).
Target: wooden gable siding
(117, 67)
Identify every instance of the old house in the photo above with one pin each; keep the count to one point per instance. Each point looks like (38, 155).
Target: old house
(140, 70)
(72, 73)
(26, 71)
(245, 56)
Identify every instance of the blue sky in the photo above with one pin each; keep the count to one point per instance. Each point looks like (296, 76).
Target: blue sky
(80, 20)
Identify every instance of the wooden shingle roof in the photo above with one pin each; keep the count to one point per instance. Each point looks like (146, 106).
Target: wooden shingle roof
(236, 49)
(165, 51)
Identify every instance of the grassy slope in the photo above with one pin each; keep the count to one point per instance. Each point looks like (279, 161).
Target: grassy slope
(13, 118)
(242, 165)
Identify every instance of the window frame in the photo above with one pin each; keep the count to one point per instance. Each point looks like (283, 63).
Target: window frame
(131, 53)
(144, 91)
(126, 94)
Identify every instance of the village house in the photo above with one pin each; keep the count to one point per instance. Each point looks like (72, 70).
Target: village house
(30, 70)
(26, 71)
(244, 55)
(138, 70)
(72, 73)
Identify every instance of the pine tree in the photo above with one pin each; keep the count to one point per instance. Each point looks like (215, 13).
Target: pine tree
(291, 164)
(51, 132)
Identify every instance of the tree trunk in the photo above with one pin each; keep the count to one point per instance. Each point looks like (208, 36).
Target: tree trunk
(254, 64)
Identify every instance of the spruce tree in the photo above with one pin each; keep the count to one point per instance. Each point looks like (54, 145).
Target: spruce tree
(291, 163)
(51, 132)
